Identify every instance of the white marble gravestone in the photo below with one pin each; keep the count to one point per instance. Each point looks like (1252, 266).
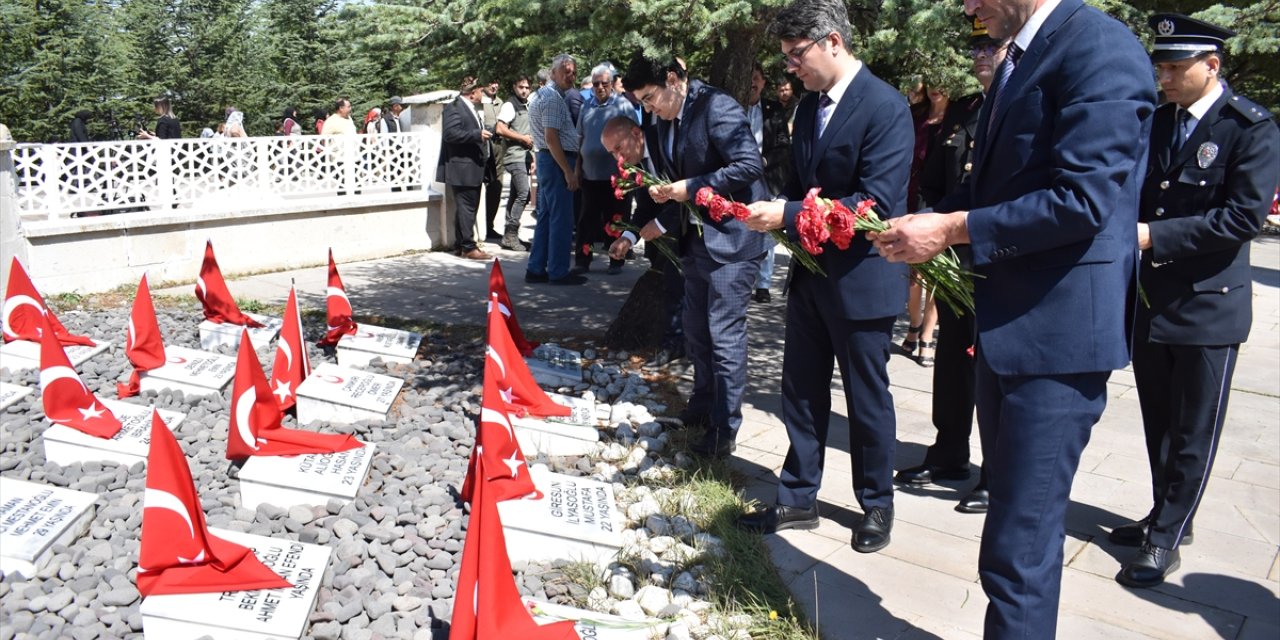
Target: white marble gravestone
(592, 625)
(583, 410)
(553, 366)
(369, 342)
(309, 479)
(245, 615)
(11, 393)
(64, 445)
(554, 438)
(33, 518)
(213, 334)
(194, 373)
(577, 519)
(337, 394)
(20, 355)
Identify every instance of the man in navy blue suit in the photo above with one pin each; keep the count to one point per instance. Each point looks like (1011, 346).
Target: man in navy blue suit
(1051, 214)
(702, 138)
(853, 138)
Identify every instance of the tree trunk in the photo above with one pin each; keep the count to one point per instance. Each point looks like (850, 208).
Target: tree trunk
(734, 54)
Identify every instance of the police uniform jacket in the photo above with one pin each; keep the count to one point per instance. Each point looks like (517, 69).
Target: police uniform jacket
(949, 160)
(1203, 204)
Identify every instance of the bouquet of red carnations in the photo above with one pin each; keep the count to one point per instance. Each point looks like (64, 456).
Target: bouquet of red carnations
(615, 227)
(822, 220)
(631, 177)
(720, 207)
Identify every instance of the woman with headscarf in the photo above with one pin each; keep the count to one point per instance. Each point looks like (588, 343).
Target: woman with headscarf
(290, 126)
(371, 120)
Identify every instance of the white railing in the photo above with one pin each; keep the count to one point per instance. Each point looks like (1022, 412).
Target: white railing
(55, 181)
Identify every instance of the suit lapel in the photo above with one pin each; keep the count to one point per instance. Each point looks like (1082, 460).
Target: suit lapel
(1202, 133)
(845, 108)
(802, 137)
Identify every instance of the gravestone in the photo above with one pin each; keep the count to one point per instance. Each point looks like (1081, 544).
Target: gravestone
(21, 355)
(35, 517)
(584, 410)
(193, 372)
(64, 445)
(554, 438)
(11, 393)
(577, 519)
(553, 366)
(226, 334)
(369, 342)
(245, 615)
(592, 625)
(337, 394)
(308, 479)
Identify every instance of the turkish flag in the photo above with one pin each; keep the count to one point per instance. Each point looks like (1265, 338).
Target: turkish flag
(496, 444)
(292, 365)
(255, 428)
(520, 391)
(178, 554)
(143, 345)
(23, 308)
(498, 287)
(66, 400)
(485, 582)
(219, 305)
(337, 308)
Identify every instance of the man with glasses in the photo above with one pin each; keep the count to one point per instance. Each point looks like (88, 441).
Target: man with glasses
(1051, 213)
(596, 166)
(702, 139)
(853, 139)
(556, 139)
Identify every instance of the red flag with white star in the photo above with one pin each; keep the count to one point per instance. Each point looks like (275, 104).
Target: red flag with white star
(520, 391)
(498, 287)
(337, 308)
(66, 400)
(219, 305)
(178, 554)
(23, 308)
(143, 345)
(485, 583)
(292, 365)
(496, 443)
(255, 428)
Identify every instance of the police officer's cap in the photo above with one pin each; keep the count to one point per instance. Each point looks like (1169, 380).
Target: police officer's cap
(1179, 37)
(979, 35)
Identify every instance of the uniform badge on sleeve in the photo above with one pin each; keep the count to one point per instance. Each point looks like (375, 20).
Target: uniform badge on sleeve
(1205, 154)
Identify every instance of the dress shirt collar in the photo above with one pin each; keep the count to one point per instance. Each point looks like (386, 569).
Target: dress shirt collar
(1201, 106)
(837, 90)
(1032, 27)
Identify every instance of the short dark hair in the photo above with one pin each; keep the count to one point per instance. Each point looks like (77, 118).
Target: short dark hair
(813, 20)
(520, 77)
(468, 85)
(645, 70)
(337, 104)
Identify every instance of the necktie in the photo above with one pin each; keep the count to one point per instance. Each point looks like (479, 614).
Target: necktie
(1002, 78)
(1182, 131)
(675, 144)
(825, 104)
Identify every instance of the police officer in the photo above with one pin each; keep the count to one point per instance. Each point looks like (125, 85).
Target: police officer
(1214, 163)
(947, 164)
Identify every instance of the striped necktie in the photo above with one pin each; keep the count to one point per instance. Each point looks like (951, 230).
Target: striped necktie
(1006, 70)
(825, 103)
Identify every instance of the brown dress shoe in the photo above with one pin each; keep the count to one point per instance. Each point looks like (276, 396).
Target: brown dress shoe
(477, 254)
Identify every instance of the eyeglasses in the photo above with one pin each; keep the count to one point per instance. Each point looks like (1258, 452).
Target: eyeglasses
(985, 49)
(648, 98)
(601, 83)
(796, 57)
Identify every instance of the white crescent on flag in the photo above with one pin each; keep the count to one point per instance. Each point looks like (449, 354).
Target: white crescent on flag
(502, 308)
(132, 335)
(499, 417)
(493, 353)
(243, 411)
(160, 499)
(204, 291)
(335, 291)
(282, 346)
(12, 305)
(50, 375)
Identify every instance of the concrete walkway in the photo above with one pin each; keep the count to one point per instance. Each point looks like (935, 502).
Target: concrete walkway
(924, 585)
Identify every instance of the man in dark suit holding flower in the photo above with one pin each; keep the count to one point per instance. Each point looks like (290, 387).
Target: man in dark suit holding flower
(852, 137)
(702, 138)
(1051, 214)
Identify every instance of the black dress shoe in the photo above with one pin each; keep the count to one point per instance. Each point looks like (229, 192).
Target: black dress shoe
(715, 444)
(780, 517)
(929, 473)
(534, 278)
(1135, 533)
(762, 296)
(873, 534)
(1150, 567)
(571, 279)
(976, 502)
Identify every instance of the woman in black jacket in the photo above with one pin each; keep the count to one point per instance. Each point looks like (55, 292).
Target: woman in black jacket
(167, 127)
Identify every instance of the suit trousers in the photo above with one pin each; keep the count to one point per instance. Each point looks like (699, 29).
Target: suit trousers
(673, 295)
(492, 194)
(816, 336)
(518, 196)
(553, 233)
(1183, 392)
(465, 202)
(953, 394)
(598, 208)
(715, 329)
(1034, 429)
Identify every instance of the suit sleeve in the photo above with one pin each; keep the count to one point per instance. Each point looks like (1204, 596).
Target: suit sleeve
(1253, 171)
(729, 133)
(1100, 122)
(884, 164)
(456, 130)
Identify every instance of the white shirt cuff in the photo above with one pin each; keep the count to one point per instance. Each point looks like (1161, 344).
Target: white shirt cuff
(630, 237)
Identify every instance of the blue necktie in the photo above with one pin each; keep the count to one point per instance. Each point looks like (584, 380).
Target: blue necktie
(1182, 131)
(1002, 78)
(824, 114)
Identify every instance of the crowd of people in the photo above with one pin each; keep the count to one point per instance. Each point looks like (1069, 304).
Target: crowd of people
(1104, 224)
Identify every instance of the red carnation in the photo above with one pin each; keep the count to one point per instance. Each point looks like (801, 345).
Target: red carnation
(840, 220)
(703, 197)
